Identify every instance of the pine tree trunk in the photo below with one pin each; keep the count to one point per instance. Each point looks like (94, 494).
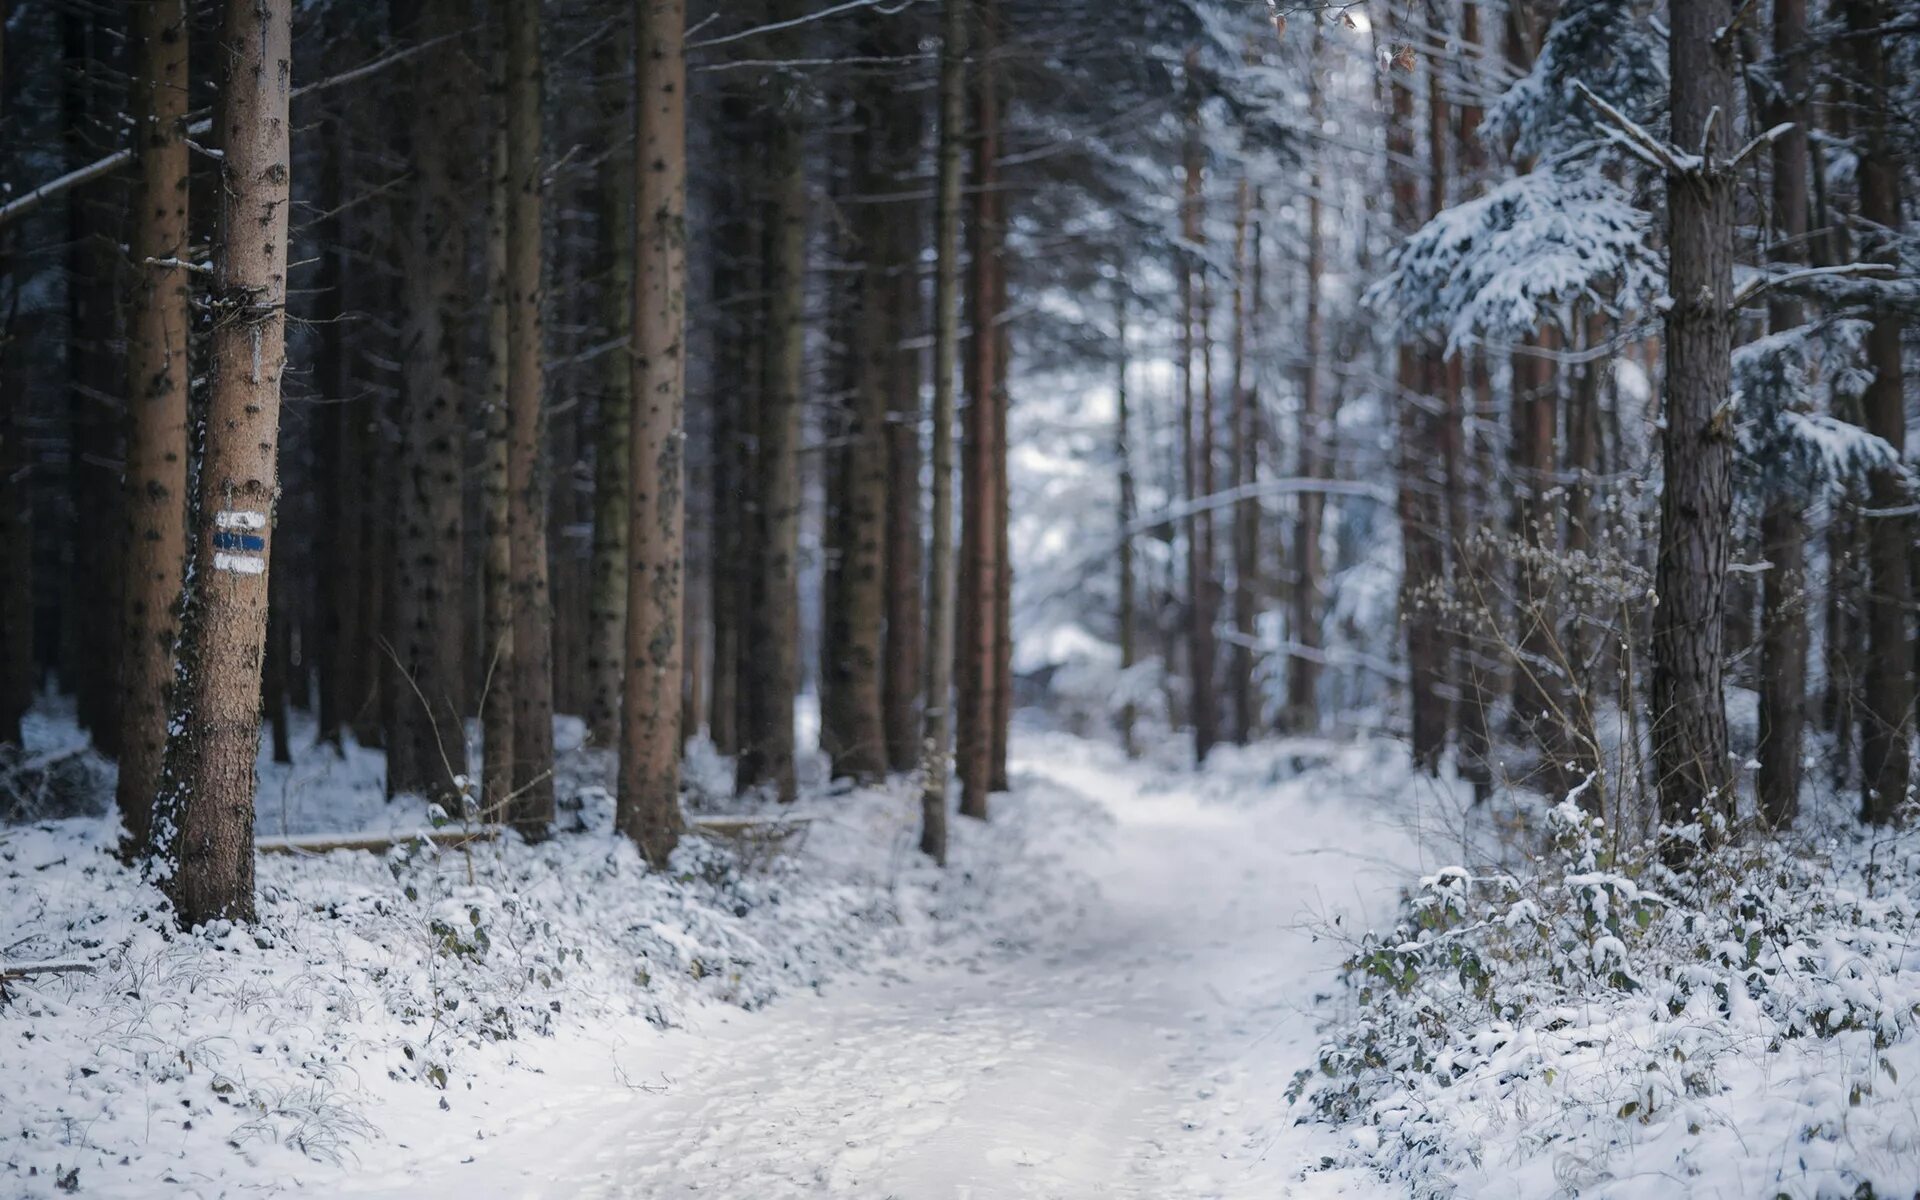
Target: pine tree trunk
(210, 762)
(935, 764)
(904, 662)
(1196, 437)
(1886, 699)
(426, 744)
(1123, 454)
(333, 439)
(1533, 424)
(1420, 513)
(91, 608)
(980, 564)
(1245, 460)
(773, 665)
(16, 507)
(1306, 599)
(649, 805)
(1689, 708)
(496, 489)
(157, 381)
(612, 454)
(531, 679)
(862, 754)
(1783, 526)
(1002, 665)
(735, 267)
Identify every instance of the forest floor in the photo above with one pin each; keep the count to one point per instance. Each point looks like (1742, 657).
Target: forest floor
(1106, 994)
(1136, 1046)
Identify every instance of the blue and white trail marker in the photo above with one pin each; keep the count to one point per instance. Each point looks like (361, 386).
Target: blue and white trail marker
(239, 542)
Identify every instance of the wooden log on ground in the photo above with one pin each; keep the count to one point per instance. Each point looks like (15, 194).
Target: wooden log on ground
(322, 843)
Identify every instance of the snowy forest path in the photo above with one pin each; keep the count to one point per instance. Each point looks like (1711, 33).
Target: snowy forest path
(1138, 1048)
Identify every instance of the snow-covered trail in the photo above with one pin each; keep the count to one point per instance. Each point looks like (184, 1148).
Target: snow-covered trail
(1139, 1049)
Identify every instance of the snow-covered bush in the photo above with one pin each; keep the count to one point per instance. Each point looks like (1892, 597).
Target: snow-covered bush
(1604, 1023)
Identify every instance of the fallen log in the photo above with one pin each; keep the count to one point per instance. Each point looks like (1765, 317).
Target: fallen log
(23, 970)
(322, 843)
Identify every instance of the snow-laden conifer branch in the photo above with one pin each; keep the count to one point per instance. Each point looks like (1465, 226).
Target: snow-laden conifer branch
(1631, 136)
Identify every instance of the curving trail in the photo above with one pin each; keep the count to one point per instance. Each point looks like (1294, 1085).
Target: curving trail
(1141, 1049)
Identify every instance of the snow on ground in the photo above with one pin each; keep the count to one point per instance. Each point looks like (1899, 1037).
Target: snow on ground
(1137, 1047)
(1106, 994)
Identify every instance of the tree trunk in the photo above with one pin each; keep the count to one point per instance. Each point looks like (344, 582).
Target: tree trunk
(210, 761)
(735, 323)
(905, 657)
(91, 610)
(426, 744)
(531, 679)
(496, 489)
(1245, 464)
(333, 440)
(1783, 525)
(1303, 613)
(1002, 394)
(1696, 505)
(16, 507)
(979, 494)
(1123, 454)
(862, 754)
(946, 336)
(649, 808)
(612, 453)
(1420, 512)
(773, 666)
(157, 380)
(1886, 700)
(1196, 436)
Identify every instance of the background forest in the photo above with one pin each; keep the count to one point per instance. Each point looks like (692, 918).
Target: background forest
(530, 424)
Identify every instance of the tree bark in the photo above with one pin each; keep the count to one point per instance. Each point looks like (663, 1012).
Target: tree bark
(1123, 455)
(1419, 508)
(1245, 469)
(426, 744)
(16, 505)
(158, 375)
(1886, 701)
(904, 662)
(773, 666)
(1196, 434)
(496, 488)
(612, 454)
(979, 493)
(1696, 506)
(531, 680)
(1783, 525)
(1306, 598)
(91, 610)
(736, 323)
(857, 673)
(210, 761)
(1002, 698)
(937, 743)
(649, 803)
